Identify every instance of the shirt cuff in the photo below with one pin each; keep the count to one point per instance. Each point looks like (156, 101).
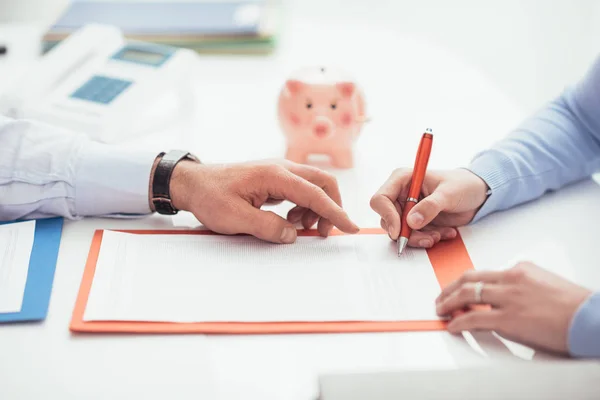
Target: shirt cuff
(497, 171)
(584, 332)
(112, 181)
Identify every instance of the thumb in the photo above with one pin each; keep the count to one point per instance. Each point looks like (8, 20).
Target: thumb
(267, 225)
(427, 209)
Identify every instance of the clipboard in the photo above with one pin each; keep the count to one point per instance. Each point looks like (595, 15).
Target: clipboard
(40, 275)
(448, 258)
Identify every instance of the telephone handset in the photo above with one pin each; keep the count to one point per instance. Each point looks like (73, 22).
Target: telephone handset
(96, 83)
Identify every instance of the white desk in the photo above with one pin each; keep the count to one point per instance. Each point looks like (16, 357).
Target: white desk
(411, 87)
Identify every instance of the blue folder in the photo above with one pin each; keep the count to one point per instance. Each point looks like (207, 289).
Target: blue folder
(40, 275)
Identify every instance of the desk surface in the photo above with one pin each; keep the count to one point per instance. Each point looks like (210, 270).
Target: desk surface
(410, 85)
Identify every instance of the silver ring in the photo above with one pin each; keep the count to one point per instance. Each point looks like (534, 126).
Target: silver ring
(478, 291)
(412, 199)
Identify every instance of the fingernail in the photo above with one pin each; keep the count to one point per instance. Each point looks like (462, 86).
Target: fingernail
(451, 234)
(425, 243)
(384, 225)
(288, 235)
(416, 219)
(389, 231)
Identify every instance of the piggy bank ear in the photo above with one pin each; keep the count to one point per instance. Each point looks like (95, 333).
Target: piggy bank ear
(346, 88)
(294, 87)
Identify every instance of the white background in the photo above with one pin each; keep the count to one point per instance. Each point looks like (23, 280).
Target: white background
(531, 48)
(470, 69)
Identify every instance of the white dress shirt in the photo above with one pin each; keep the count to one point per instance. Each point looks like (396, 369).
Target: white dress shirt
(45, 172)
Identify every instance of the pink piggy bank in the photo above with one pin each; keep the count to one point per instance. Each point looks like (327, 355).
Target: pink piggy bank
(321, 111)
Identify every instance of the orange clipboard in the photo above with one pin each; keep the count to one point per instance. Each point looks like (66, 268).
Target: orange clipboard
(448, 258)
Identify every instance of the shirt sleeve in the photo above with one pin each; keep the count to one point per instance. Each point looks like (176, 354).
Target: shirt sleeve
(558, 145)
(584, 331)
(45, 172)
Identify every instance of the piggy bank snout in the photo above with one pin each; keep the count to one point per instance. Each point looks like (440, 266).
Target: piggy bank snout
(323, 127)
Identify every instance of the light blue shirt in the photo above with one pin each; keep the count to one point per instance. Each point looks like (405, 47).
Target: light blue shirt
(47, 172)
(558, 145)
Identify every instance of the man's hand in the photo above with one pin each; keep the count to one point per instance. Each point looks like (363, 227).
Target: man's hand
(528, 305)
(227, 198)
(450, 199)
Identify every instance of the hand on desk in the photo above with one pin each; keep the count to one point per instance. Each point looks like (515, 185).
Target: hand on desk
(227, 198)
(529, 305)
(451, 199)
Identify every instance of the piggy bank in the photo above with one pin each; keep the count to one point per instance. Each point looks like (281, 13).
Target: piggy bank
(321, 111)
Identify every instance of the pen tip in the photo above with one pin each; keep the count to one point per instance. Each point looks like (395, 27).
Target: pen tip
(429, 130)
(402, 242)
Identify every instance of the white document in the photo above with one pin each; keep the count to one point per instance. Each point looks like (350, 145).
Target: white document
(209, 278)
(16, 242)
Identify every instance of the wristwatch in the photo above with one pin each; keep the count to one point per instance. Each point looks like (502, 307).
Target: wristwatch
(161, 194)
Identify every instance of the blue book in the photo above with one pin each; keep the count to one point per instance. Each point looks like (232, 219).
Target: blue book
(40, 275)
(205, 26)
(198, 18)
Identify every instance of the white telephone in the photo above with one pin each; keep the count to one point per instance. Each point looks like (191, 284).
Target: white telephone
(94, 82)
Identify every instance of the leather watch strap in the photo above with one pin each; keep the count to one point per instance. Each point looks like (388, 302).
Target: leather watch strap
(161, 182)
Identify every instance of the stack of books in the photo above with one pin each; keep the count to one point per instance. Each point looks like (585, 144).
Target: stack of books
(225, 27)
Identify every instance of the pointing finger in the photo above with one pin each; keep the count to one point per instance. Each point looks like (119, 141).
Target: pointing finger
(325, 181)
(308, 195)
(318, 177)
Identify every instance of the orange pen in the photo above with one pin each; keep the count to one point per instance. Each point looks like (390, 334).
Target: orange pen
(416, 183)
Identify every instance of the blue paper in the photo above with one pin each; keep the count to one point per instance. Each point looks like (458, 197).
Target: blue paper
(40, 275)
